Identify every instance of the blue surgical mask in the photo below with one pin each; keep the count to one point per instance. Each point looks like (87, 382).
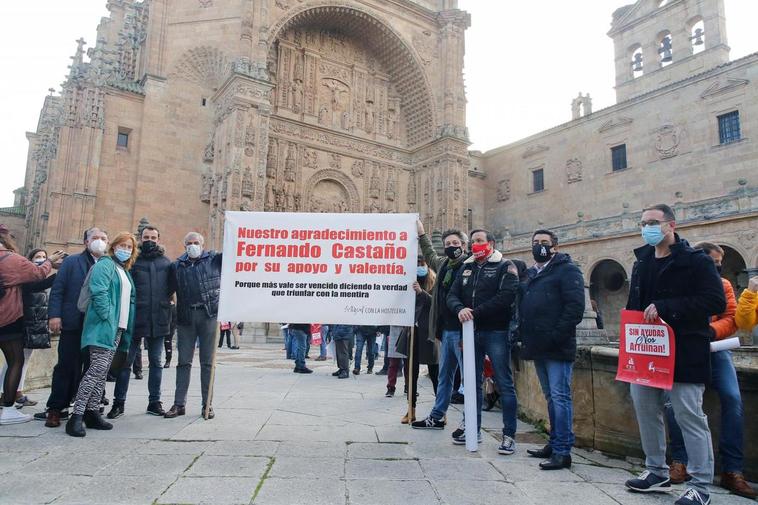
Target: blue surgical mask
(422, 271)
(652, 234)
(122, 255)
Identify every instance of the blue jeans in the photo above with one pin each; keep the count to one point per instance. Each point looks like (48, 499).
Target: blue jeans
(299, 342)
(724, 381)
(369, 342)
(497, 346)
(288, 343)
(555, 380)
(155, 374)
(450, 359)
(324, 332)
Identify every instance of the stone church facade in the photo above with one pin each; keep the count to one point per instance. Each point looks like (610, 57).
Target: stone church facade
(184, 109)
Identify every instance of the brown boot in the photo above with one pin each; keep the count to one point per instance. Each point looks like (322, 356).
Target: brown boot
(735, 482)
(678, 473)
(53, 418)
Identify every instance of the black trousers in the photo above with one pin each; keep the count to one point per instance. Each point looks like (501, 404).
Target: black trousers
(342, 350)
(67, 371)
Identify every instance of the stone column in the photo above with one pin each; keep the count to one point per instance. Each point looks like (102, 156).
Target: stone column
(241, 139)
(587, 332)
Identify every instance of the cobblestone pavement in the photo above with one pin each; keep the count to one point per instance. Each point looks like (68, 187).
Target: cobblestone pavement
(291, 439)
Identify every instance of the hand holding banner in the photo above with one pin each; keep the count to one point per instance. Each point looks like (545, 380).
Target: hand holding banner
(646, 351)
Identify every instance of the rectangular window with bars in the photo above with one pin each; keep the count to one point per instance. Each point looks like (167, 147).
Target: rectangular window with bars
(538, 180)
(729, 127)
(122, 140)
(618, 157)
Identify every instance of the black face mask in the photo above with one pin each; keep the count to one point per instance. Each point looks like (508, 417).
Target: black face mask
(454, 252)
(148, 247)
(541, 253)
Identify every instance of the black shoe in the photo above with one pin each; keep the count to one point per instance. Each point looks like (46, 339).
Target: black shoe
(343, 374)
(74, 426)
(104, 401)
(356, 371)
(167, 365)
(429, 423)
(543, 453)
(303, 370)
(369, 371)
(155, 409)
(93, 420)
(556, 462)
(383, 371)
(117, 410)
(390, 392)
(648, 483)
(110, 377)
(335, 374)
(174, 411)
(138, 376)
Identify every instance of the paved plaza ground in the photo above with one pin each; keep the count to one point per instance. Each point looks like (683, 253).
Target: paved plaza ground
(287, 439)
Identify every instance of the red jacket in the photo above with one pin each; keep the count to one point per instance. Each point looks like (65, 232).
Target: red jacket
(724, 325)
(16, 270)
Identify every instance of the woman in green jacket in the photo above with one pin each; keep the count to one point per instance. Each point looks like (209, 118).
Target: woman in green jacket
(108, 326)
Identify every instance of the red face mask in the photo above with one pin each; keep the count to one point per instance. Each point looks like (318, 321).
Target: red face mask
(481, 250)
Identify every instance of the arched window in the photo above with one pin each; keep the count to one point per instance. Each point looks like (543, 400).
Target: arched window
(697, 35)
(637, 62)
(665, 49)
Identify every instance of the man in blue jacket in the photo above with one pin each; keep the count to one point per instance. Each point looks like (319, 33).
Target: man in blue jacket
(196, 275)
(65, 318)
(552, 304)
(681, 285)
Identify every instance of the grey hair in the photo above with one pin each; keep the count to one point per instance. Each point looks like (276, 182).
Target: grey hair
(194, 235)
(90, 231)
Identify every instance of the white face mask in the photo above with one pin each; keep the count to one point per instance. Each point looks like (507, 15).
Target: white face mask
(194, 250)
(97, 247)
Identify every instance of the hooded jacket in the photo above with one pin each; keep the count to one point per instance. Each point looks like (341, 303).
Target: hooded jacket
(552, 304)
(687, 292)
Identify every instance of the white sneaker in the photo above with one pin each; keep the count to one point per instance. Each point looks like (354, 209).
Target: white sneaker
(11, 415)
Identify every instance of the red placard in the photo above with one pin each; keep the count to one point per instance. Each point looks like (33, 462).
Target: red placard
(646, 351)
(316, 334)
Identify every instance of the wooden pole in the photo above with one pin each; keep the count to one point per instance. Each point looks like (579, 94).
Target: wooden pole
(409, 375)
(207, 408)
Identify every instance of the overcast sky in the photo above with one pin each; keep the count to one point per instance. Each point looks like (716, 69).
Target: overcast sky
(525, 62)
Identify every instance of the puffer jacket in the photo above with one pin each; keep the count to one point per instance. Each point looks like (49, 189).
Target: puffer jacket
(35, 298)
(198, 279)
(151, 278)
(723, 325)
(747, 310)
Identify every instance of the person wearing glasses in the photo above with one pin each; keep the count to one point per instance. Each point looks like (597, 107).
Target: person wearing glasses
(680, 285)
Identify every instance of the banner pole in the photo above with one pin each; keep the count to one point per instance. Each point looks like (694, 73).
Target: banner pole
(409, 375)
(207, 407)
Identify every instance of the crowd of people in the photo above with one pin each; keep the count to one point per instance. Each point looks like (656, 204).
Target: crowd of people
(115, 297)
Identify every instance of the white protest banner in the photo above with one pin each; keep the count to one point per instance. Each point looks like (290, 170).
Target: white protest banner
(469, 386)
(319, 268)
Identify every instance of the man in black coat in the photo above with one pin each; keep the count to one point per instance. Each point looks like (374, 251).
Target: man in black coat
(679, 284)
(552, 304)
(152, 320)
(484, 292)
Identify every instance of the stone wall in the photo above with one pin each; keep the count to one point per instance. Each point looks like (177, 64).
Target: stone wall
(604, 418)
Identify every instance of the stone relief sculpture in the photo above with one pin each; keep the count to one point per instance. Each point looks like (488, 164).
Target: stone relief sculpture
(272, 160)
(503, 190)
(667, 140)
(375, 184)
(573, 170)
(290, 163)
(357, 169)
(310, 158)
(207, 186)
(389, 192)
(412, 190)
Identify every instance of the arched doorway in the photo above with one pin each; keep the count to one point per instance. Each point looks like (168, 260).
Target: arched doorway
(609, 288)
(734, 269)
